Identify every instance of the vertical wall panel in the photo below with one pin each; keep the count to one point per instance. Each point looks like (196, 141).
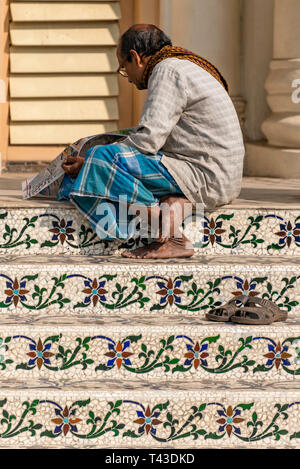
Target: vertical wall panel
(62, 70)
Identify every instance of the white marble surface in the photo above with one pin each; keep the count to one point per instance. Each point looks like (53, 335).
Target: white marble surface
(28, 321)
(255, 193)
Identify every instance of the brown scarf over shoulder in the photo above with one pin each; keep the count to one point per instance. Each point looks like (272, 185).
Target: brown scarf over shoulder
(180, 53)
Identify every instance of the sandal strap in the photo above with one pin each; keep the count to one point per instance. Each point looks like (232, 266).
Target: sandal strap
(263, 302)
(229, 308)
(242, 298)
(261, 313)
(225, 309)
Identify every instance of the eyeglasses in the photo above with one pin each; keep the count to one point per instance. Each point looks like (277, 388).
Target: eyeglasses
(122, 72)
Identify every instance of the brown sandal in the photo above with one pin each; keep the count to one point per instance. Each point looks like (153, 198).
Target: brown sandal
(258, 311)
(225, 312)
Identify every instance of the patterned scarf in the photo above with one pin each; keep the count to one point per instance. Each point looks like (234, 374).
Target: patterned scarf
(180, 53)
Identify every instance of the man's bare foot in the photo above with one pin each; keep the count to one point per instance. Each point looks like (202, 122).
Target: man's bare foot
(168, 248)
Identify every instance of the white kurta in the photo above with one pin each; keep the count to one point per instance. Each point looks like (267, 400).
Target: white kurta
(190, 118)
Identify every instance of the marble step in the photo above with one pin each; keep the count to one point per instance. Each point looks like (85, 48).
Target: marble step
(89, 288)
(52, 228)
(263, 220)
(169, 354)
(143, 418)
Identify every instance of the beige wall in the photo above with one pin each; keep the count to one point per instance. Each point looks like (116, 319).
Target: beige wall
(208, 28)
(131, 100)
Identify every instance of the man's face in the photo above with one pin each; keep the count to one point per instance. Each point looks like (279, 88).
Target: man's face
(133, 69)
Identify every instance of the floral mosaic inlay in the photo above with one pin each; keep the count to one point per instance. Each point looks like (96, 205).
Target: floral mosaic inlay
(288, 234)
(226, 232)
(181, 293)
(155, 355)
(199, 422)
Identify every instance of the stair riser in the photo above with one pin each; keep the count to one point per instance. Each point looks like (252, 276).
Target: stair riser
(155, 355)
(225, 232)
(30, 291)
(136, 419)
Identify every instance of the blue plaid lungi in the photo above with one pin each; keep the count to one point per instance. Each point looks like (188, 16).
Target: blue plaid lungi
(113, 177)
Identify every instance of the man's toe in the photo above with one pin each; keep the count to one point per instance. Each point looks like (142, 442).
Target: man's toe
(126, 254)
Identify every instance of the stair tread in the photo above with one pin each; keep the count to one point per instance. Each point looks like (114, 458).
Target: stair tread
(256, 192)
(102, 387)
(134, 321)
(116, 261)
(194, 388)
(122, 320)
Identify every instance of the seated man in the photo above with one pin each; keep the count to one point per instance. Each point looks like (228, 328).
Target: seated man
(187, 148)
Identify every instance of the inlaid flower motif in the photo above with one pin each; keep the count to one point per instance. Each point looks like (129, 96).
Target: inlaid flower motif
(39, 354)
(287, 233)
(62, 231)
(228, 419)
(212, 231)
(278, 355)
(147, 421)
(65, 421)
(170, 292)
(245, 288)
(95, 291)
(15, 292)
(117, 354)
(197, 355)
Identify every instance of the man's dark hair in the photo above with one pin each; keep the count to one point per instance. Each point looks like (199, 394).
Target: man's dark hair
(145, 39)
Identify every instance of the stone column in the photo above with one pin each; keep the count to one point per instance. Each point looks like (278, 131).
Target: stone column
(211, 29)
(280, 155)
(282, 127)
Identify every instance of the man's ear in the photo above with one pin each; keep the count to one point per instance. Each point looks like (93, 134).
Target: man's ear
(136, 57)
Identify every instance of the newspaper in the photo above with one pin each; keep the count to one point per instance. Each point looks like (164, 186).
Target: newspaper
(48, 181)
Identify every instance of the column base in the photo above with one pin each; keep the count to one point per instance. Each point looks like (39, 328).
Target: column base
(265, 160)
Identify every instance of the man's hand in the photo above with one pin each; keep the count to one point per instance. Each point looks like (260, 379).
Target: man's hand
(72, 165)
